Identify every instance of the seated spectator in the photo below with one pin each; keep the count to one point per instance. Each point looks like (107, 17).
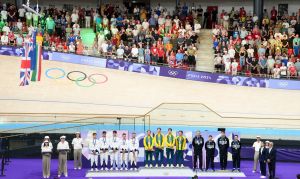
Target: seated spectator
(283, 70)
(179, 57)
(19, 40)
(4, 39)
(72, 47)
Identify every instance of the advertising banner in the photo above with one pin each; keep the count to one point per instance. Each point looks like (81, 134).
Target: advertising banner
(172, 72)
(78, 59)
(284, 84)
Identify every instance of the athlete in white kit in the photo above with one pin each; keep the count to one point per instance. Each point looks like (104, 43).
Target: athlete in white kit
(133, 151)
(94, 148)
(104, 145)
(124, 146)
(114, 146)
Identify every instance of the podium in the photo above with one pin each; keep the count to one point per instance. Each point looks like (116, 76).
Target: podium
(162, 172)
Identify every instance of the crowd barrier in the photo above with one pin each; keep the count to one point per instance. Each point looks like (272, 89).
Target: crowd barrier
(161, 70)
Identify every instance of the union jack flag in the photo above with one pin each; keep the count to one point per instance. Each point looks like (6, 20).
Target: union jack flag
(25, 64)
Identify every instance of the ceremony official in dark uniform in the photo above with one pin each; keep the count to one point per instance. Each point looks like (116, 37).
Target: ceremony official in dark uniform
(271, 160)
(210, 147)
(236, 153)
(263, 160)
(198, 143)
(223, 144)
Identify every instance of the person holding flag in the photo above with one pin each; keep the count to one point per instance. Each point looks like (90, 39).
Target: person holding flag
(180, 147)
(170, 144)
(159, 148)
(148, 145)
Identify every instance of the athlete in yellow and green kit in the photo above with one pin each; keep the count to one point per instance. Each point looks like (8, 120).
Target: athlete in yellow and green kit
(170, 145)
(180, 147)
(148, 145)
(159, 148)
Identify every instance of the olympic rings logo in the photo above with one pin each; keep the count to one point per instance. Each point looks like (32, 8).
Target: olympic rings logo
(78, 80)
(172, 73)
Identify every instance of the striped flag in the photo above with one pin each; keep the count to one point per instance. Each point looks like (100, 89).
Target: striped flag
(37, 62)
(26, 64)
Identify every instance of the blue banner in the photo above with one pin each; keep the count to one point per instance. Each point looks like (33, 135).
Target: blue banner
(284, 84)
(78, 59)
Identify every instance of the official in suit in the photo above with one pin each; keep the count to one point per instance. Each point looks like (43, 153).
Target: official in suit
(262, 160)
(271, 160)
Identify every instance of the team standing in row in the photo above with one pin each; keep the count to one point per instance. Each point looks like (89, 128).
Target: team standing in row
(121, 150)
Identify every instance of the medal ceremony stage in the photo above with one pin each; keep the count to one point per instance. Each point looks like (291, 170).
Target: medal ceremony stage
(162, 173)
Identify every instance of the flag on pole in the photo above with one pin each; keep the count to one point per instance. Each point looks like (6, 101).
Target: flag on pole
(26, 64)
(36, 60)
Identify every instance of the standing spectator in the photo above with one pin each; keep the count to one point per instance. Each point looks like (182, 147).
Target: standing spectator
(74, 17)
(4, 15)
(50, 26)
(234, 67)
(276, 72)
(134, 53)
(21, 12)
(28, 15)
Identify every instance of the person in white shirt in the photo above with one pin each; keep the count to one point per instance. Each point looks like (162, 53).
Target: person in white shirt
(234, 67)
(134, 53)
(6, 29)
(104, 145)
(74, 17)
(145, 24)
(226, 20)
(124, 152)
(276, 72)
(133, 151)
(4, 39)
(46, 157)
(77, 146)
(76, 29)
(94, 148)
(63, 148)
(231, 52)
(120, 53)
(4, 15)
(19, 25)
(21, 12)
(114, 145)
(47, 139)
(71, 48)
(283, 70)
(104, 47)
(256, 145)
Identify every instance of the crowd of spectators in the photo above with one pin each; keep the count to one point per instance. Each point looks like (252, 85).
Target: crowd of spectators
(266, 48)
(146, 35)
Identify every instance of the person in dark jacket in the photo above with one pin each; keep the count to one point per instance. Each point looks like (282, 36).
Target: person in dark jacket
(236, 153)
(223, 144)
(262, 160)
(210, 147)
(198, 143)
(271, 160)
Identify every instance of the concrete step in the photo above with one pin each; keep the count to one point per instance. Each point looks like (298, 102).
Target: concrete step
(205, 53)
